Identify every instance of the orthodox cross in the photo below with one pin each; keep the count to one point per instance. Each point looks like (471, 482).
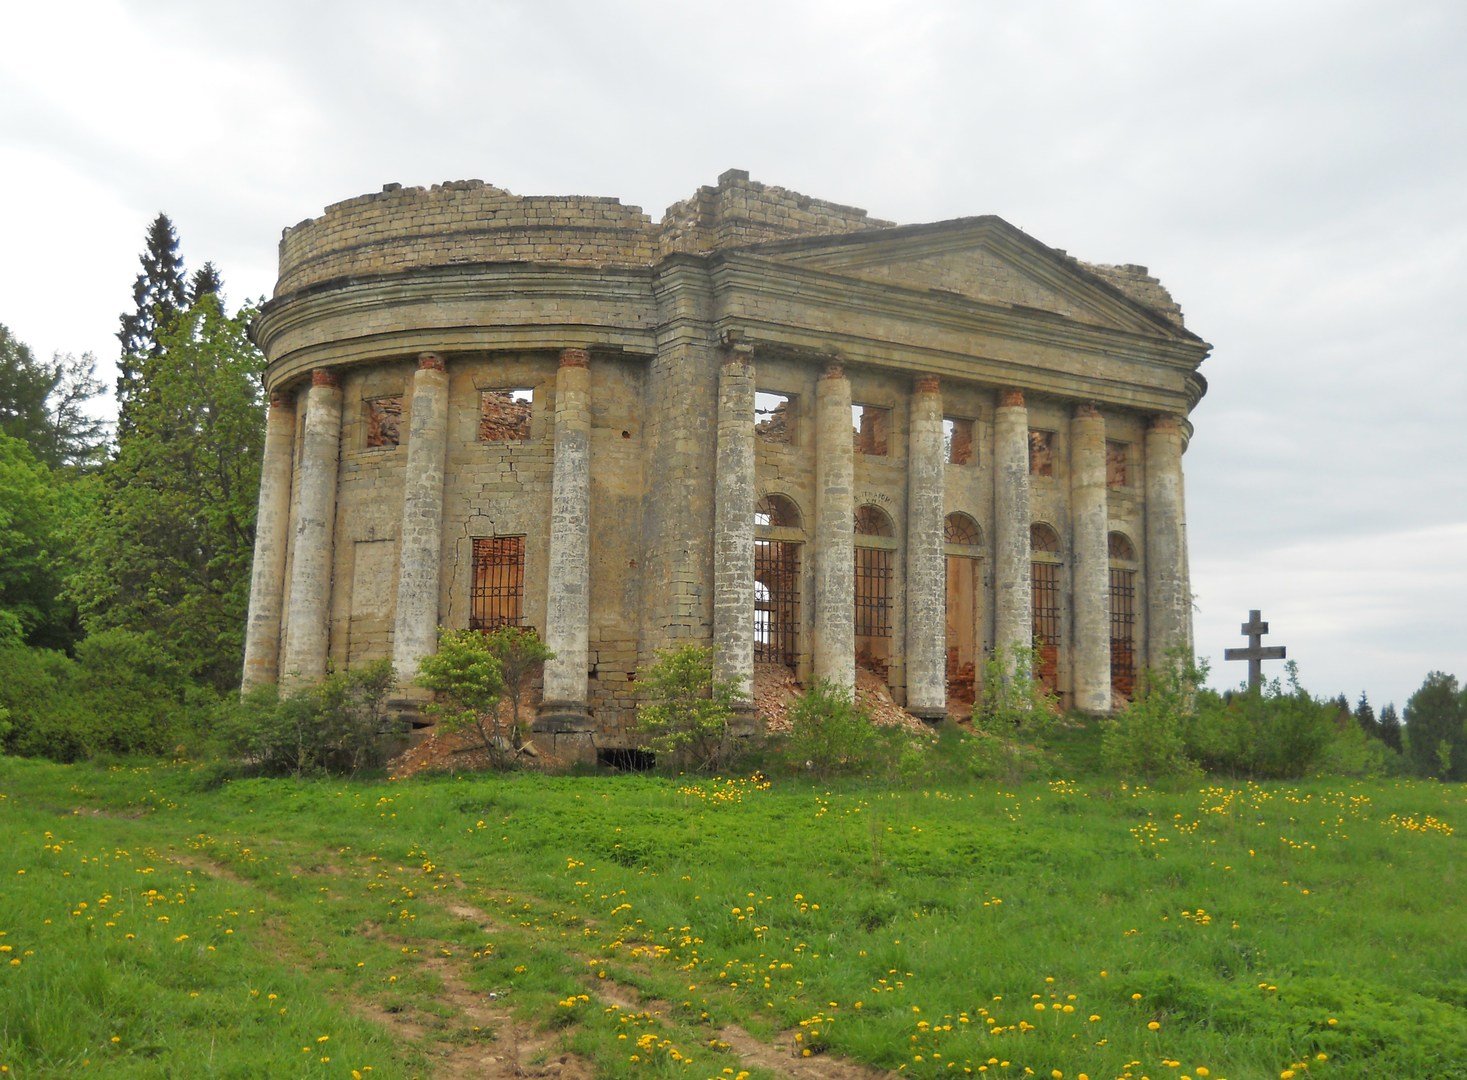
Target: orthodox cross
(1255, 653)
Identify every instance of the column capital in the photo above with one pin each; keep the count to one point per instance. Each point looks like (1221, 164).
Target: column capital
(737, 353)
(431, 361)
(1009, 398)
(1165, 424)
(1086, 410)
(833, 369)
(927, 384)
(326, 377)
(580, 358)
(280, 402)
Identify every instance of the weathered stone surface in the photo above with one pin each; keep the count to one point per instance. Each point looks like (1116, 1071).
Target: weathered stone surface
(630, 483)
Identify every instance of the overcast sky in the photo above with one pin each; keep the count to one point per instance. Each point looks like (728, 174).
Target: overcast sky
(1295, 173)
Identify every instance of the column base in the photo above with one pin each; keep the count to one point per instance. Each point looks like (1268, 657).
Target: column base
(932, 715)
(744, 723)
(563, 717)
(408, 704)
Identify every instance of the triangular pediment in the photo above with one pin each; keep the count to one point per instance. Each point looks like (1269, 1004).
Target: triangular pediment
(981, 259)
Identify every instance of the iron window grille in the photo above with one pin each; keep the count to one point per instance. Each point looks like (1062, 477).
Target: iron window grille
(497, 596)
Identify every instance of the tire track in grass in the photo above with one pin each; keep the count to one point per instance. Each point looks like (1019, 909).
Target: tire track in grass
(783, 1058)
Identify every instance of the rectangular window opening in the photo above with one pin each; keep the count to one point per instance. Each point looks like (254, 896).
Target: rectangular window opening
(1046, 595)
(497, 596)
(776, 601)
(1041, 452)
(871, 429)
(1116, 462)
(1122, 631)
(957, 441)
(384, 417)
(504, 414)
(774, 416)
(873, 609)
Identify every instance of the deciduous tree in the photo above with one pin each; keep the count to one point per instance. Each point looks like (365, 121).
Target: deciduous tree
(1436, 731)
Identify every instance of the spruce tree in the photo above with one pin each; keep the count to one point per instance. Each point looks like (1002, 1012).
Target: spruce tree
(206, 281)
(1365, 717)
(158, 294)
(1390, 727)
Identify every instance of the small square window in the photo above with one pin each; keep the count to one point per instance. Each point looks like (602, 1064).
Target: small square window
(871, 429)
(1117, 464)
(957, 441)
(504, 415)
(383, 417)
(1041, 452)
(774, 417)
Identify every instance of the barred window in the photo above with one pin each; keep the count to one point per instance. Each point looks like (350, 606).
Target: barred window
(776, 512)
(962, 530)
(1122, 614)
(776, 601)
(497, 596)
(1045, 594)
(873, 521)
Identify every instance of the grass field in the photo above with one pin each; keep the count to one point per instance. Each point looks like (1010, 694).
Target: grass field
(638, 926)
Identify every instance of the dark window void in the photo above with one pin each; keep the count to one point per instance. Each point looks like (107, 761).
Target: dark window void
(497, 596)
(625, 759)
(774, 417)
(1122, 614)
(957, 441)
(776, 512)
(964, 586)
(1046, 576)
(873, 608)
(1117, 464)
(384, 417)
(871, 429)
(1041, 452)
(504, 415)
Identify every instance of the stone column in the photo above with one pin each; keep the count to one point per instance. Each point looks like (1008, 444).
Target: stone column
(835, 531)
(1013, 614)
(568, 600)
(1089, 514)
(272, 525)
(1168, 598)
(733, 524)
(307, 623)
(415, 631)
(926, 564)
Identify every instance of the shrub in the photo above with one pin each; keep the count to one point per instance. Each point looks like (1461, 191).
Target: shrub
(468, 679)
(1147, 737)
(519, 651)
(1014, 700)
(1264, 733)
(686, 712)
(340, 726)
(829, 732)
(38, 689)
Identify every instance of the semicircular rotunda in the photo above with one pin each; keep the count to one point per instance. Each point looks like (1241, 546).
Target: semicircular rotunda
(769, 424)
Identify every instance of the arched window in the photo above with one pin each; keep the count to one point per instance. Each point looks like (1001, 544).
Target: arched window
(1122, 614)
(875, 554)
(963, 540)
(1044, 543)
(777, 525)
(961, 529)
(777, 512)
(873, 521)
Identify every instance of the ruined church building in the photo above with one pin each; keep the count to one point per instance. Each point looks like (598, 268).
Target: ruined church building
(769, 424)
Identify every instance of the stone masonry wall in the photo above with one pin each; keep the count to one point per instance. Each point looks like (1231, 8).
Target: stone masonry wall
(741, 211)
(464, 221)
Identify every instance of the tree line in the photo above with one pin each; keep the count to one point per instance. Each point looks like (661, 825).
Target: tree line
(125, 553)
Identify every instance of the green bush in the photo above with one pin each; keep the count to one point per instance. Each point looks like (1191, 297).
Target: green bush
(1266, 733)
(469, 681)
(686, 711)
(1014, 702)
(1147, 737)
(829, 732)
(339, 727)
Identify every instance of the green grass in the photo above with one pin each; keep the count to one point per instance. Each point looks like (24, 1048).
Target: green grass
(1258, 926)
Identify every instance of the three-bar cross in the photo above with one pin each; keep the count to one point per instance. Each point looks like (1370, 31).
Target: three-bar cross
(1255, 653)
